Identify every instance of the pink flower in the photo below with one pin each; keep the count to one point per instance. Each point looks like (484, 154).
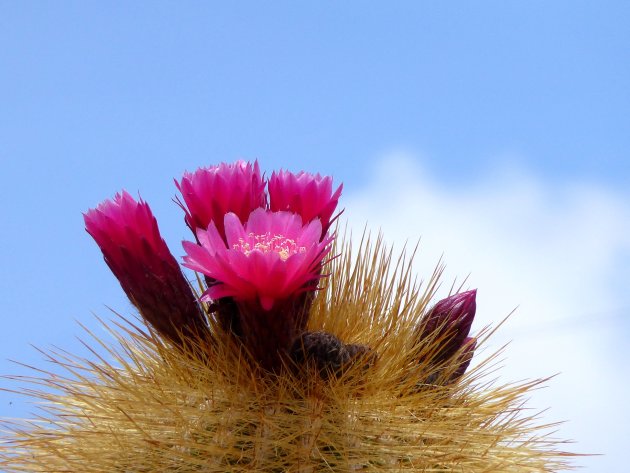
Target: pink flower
(270, 267)
(310, 196)
(127, 233)
(269, 258)
(210, 193)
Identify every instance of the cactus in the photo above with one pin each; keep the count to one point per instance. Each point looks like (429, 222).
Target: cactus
(365, 376)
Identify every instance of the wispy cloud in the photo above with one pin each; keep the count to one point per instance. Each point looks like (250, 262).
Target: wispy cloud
(558, 250)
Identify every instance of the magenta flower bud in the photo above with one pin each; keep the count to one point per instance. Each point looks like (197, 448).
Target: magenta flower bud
(127, 233)
(210, 193)
(465, 357)
(310, 196)
(449, 321)
(270, 267)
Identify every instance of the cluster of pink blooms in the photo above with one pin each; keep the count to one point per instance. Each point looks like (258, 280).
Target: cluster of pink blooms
(261, 245)
(261, 253)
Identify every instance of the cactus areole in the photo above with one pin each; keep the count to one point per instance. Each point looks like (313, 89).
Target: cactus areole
(286, 348)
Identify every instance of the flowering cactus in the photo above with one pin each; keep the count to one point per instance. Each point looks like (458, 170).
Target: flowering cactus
(302, 353)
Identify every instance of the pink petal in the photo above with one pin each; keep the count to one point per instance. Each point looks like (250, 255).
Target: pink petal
(311, 233)
(211, 238)
(234, 230)
(258, 222)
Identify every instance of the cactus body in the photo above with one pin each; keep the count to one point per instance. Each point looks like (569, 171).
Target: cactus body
(204, 407)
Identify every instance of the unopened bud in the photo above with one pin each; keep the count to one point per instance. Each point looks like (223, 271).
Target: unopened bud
(449, 321)
(465, 357)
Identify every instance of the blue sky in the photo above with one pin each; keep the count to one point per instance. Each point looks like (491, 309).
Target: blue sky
(480, 97)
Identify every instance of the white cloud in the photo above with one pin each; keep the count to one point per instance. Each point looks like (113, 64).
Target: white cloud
(557, 250)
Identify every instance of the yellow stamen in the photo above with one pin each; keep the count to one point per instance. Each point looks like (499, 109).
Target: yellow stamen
(266, 243)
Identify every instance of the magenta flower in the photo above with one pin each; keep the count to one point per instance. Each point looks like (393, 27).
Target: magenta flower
(269, 258)
(310, 196)
(209, 193)
(127, 233)
(270, 267)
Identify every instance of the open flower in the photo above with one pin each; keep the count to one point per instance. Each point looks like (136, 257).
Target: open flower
(269, 267)
(269, 258)
(127, 233)
(309, 195)
(209, 193)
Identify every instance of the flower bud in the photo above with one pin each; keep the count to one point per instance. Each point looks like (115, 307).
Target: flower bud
(465, 357)
(127, 234)
(448, 323)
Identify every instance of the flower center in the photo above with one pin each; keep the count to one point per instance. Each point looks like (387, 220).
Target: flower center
(268, 243)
